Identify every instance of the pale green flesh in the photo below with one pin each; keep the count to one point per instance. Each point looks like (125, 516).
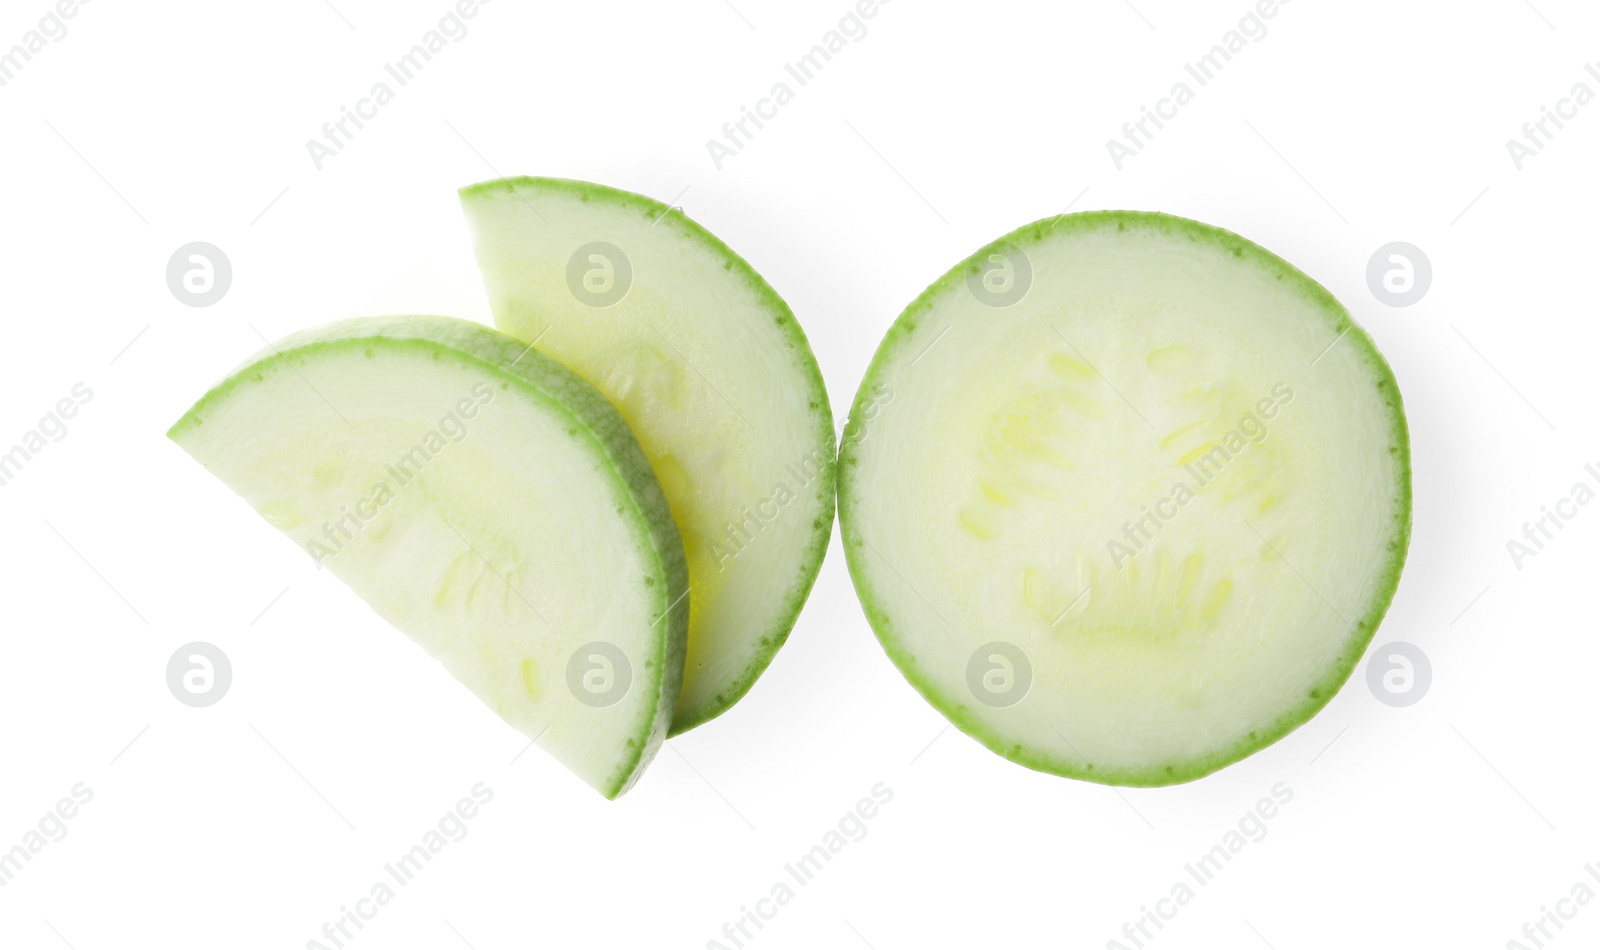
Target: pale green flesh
(981, 500)
(713, 374)
(484, 501)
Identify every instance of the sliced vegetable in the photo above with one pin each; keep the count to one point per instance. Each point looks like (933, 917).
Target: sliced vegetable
(484, 500)
(714, 375)
(1139, 499)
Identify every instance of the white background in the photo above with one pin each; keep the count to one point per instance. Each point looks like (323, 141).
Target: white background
(249, 823)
